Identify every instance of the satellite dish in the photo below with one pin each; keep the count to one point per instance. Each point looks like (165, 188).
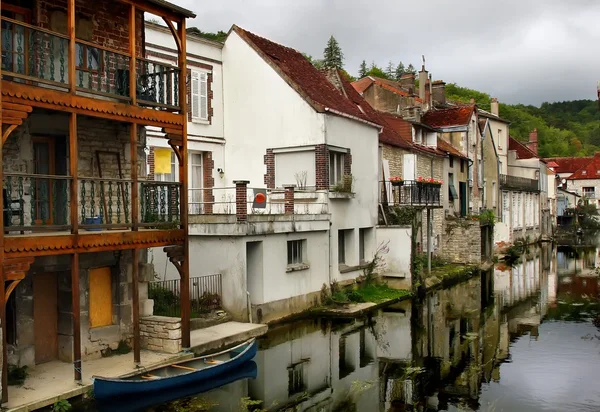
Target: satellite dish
(564, 181)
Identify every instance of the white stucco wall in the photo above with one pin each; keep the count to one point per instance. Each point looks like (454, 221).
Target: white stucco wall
(578, 185)
(262, 111)
(397, 260)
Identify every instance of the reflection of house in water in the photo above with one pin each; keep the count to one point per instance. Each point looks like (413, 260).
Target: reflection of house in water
(577, 260)
(312, 365)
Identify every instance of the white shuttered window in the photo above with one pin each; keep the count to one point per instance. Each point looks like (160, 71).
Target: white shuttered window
(199, 95)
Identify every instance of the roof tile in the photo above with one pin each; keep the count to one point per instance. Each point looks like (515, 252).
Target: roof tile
(568, 164)
(591, 170)
(455, 116)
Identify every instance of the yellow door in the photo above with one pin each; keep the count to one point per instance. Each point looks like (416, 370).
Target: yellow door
(100, 297)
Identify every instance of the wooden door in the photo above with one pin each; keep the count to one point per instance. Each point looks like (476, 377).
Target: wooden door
(43, 190)
(100, 297)
(462, 192)
(45, 317)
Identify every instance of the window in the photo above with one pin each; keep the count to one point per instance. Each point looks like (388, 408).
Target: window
(451, 160)
(361, 244)
(336, 168)
(196, 182)
(100, 284)
(452, 194)
(173, 175)
(494, 195)
(589, 192)
(499, 139)
(294, 252)
(341, 246)
(199, 96)
(296, 379)
(462, 166)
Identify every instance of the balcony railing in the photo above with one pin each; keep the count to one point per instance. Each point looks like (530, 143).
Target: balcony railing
(38, 56)
(410, 193)
(508, 182)
(34, 203)
(205, 295)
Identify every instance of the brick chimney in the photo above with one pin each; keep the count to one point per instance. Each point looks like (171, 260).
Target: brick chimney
(533, 141)
(423, 83)
(439, 92)
(407, 81)
(495, 107)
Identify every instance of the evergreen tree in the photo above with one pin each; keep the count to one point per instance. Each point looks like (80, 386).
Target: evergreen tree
(411, 69)
(389, 70)
(332, 55)
(400, 70)
(362, 70)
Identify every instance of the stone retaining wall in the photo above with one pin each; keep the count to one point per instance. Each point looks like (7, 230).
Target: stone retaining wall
(161, 333)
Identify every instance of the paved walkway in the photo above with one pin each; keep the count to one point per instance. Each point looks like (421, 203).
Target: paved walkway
(223, 335)
(52, 381)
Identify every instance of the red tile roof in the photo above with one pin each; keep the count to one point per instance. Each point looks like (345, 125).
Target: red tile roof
(455, 116)
(364, 83)
(297, 71)
(522, 151)
(591, 170)
(448, 148)
(568, 164)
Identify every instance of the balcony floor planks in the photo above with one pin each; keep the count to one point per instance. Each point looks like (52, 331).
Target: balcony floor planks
(61, 243)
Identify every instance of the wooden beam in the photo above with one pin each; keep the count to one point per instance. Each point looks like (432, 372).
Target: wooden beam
(172, 131)
(183, 175)
(71, 55)
(4, 378)
(14, 114)
(10, 290)
(76, 316)
(151, 8)
(136, 305)
(17, 107)
(14, 122)
(133, 144)
(177, 150)
(74, 172)
(171, 27)
(41, 97)
(133, 58)
(8, 131)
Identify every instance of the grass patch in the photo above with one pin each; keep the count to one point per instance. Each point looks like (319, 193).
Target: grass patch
(371, 292)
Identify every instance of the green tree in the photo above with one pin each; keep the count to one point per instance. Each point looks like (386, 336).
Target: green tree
(400, 70)
(315, 62)
(376, 71)
(332, 55)
(362, 70)
(411, 69)
(390, 71)
(219, 36)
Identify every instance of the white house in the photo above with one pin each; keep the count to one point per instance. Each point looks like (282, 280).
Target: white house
(282, 171)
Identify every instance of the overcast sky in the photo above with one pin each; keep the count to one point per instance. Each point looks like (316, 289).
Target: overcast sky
(521, 51)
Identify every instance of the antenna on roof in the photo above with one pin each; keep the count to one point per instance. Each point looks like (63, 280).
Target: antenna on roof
(423, 56)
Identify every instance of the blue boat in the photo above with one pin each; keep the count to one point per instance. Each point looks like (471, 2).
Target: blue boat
(176, 374)
(247, 370)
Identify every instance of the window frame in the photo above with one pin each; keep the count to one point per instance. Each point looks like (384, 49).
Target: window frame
(339, 158)
(199, 96)
(341, 247)
(296, 252)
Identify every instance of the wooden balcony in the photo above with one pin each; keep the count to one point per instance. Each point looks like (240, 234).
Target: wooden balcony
(38, 218)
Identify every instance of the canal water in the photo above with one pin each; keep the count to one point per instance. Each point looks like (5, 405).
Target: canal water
(520, 338)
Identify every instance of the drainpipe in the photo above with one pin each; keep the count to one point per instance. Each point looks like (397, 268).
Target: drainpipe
(327, 194)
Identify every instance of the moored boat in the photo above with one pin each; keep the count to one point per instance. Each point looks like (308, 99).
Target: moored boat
(176, 374)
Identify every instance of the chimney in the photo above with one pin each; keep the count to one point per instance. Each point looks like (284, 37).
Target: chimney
(427, 100)
(407, 81)
(533, 141)
(439, 92)
(472, 101)
(422, 82)
(495, 107)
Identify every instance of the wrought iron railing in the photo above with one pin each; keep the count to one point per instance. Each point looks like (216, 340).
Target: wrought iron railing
(160, 203)
(30, 52)
(205, 295)
(519, 183)
(104, 203)
(101, 70)
(410, 193)
(36, 201)
(158, 84)
(41, 56)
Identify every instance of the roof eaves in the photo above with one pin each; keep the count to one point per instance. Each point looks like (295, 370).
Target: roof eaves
(173, 7)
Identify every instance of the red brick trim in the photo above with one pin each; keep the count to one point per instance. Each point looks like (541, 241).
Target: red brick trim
(172, 59)
(269, 179)
(208, 165)
(348, 163)
(322, 167)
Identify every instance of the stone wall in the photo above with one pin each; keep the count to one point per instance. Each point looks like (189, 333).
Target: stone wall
(161, 333)
(462, 241)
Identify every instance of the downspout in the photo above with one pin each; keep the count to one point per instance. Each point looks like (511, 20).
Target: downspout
(327, 195)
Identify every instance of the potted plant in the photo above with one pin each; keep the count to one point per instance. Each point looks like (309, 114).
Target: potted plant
(397, 181)
(429, 181)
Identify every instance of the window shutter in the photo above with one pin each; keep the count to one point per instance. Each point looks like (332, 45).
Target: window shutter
(195, 95)
(204, 96)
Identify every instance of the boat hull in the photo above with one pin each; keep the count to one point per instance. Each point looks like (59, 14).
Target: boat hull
(105, 388)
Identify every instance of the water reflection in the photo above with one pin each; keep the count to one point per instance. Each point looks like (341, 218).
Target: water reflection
(515, 339)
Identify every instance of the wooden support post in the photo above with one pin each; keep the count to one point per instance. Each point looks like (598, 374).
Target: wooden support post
(133, 57)
(183, 175)
(73, 169)
(72, 49)
(428, 241)
(75, 300)
(135, 264)
(134, 175)
(2, 284)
